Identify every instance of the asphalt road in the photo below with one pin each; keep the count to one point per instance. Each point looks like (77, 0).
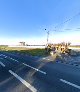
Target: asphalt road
(24, 73)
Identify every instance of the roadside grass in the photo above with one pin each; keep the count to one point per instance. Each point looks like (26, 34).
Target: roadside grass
(21, 50)
(3, 47)
(15, 48)
(38, 52)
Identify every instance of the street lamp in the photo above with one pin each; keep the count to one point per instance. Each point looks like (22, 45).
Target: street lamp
(47, 37)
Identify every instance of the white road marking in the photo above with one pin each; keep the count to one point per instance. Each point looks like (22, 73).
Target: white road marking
(5, 56)
(48, 59)
(14, 59)
(11, 58)
(2, 64)
(69, 83)
(23, 81)
(44, 58)
(1, 54)
(34, 68)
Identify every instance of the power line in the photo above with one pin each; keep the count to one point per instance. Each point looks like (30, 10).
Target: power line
(68, 20)
(61, 24)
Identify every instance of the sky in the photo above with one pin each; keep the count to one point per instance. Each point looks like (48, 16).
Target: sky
(26, 20)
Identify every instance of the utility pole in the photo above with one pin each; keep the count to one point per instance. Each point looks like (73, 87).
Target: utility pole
(47, 39)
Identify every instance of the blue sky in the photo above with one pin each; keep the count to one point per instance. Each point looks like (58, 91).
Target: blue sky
(25, 20)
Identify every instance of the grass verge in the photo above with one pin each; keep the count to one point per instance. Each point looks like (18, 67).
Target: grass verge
(29, 51)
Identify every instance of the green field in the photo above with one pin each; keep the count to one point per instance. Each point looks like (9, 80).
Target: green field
(39, 52)
(30, 51)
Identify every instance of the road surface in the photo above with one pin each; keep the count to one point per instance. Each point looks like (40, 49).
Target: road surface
(24, 73)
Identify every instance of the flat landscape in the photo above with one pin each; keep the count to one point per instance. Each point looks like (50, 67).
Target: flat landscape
(26, 73)
(39, 45)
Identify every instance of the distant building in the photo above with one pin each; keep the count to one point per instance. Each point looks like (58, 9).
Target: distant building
(21, 43)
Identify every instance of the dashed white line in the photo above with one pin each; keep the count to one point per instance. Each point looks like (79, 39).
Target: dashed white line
(44, 58)
(69, 83)
(23, 81)
(34, 68)
(10, 58)
(5, 56)
(48, 59)
(14, 59)
(2, 64)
